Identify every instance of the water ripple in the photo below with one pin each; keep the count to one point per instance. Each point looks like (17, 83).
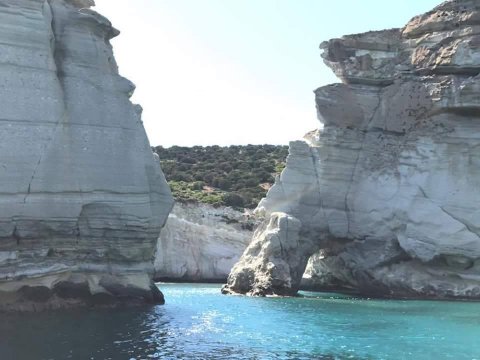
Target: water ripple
(199, 323)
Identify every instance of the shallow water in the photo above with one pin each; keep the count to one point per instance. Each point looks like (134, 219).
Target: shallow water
(199, 323)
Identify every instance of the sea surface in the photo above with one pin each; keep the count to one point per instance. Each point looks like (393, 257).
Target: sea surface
(199, 323)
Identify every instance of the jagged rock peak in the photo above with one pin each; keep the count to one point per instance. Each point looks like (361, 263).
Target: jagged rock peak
(82, 199)
(443, 41)
(451, 15)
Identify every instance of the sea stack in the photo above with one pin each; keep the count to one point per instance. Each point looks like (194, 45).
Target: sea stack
(82, 198)
(387, 193)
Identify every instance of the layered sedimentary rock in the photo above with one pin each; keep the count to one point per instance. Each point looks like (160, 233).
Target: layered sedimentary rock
(202, 243)
(82, 199)
(388, 190)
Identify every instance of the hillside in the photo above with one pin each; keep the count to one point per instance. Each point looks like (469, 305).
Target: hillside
(237, 176)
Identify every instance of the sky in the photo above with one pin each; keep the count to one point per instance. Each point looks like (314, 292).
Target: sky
(237, 72)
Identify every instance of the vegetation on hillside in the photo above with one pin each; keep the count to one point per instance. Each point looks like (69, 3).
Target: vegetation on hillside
(237, 176)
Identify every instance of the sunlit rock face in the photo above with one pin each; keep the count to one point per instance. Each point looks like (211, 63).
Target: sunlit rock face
(82, 199)
(201, 243)
(389, 189)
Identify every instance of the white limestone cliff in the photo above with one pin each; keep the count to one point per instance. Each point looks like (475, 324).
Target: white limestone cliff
(201, 243)
(82, 199)
(389, 190)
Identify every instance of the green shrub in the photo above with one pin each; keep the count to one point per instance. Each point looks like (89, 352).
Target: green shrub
(233, 200)
(235, 173)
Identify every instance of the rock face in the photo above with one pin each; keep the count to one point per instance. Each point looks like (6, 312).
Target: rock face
(201, 243)
(389, 190)
(82, 199)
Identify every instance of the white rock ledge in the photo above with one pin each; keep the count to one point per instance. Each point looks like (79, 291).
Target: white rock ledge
(201, 243)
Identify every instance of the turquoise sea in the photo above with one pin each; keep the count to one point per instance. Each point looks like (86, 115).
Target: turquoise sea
(199, 323)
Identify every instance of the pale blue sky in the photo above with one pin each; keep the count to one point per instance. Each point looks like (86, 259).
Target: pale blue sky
(236, 71)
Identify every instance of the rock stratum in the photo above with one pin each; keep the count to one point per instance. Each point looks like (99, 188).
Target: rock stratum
(82, 199)
(201, 243)
(387, 194)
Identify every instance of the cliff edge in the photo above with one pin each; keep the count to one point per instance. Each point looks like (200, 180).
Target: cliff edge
(82, 199)
(386, 194)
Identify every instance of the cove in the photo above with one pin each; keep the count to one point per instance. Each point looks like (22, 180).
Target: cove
(197, 322)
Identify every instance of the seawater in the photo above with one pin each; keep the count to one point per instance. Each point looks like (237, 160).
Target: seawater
(199, 323)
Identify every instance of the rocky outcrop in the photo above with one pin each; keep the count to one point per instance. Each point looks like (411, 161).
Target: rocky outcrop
(82, 200)
(388, 190)
(201, 243)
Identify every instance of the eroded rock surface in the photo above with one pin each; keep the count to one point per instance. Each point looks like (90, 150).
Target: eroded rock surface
(202, 243)
(388, 190)
(82, 199)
